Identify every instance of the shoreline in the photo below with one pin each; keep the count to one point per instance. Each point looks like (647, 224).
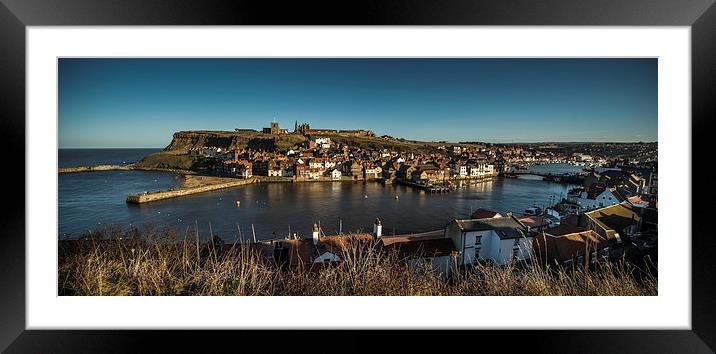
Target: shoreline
(193, 183)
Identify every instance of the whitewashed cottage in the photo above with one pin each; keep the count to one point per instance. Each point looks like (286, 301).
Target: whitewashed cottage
(500, 240)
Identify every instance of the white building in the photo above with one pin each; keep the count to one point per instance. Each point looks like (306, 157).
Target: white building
(315, 173)
(336, 174)
(373, 172)
(582, 157)
(316, 163)
(500, 240)
(461, 170)
(597, 198)
(324, 143)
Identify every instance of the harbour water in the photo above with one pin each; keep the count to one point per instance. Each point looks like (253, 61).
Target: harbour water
(92, 200)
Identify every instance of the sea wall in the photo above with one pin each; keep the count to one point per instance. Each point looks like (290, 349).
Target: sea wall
(154, 196)
(92, 168)
(77, 169)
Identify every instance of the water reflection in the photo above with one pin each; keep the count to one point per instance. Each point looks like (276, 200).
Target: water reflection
(85, 200)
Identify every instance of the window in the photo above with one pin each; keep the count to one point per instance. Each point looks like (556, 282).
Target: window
(478, 240)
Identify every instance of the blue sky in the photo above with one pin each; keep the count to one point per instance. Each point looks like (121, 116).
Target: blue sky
(142, 102)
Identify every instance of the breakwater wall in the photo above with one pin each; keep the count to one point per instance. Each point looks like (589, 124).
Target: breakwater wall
(154, 196)
(77, 169)
(92, 168)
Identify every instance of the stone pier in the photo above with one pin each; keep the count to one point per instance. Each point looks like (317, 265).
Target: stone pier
(154, 196)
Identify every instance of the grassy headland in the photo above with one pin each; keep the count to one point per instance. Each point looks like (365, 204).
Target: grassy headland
(176, 154)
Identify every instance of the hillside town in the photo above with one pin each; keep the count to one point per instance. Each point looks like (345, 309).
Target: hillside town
(435, 167)
(611, 213)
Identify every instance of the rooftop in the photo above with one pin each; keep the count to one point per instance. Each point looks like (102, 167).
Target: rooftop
(430, 235)
(424, 248)
(482, 213)
(564, 229)
(508, 227)
(535, 220)
(567, 246)
(616, 217)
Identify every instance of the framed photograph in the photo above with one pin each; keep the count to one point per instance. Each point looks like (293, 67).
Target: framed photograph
(474, 168)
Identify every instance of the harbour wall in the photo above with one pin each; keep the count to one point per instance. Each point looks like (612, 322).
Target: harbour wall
(154, 196)
(77, 169)
(92, 168)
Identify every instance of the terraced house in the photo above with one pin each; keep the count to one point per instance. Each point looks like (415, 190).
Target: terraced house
(498, 240)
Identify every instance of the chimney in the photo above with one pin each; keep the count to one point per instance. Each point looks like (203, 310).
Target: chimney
(315, 234)
(377, 228)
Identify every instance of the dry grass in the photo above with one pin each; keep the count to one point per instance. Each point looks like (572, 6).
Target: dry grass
(174, 265)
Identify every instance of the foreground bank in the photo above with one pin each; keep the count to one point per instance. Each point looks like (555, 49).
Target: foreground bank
(134, 267)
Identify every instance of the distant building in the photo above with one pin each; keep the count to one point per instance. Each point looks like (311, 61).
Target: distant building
(357, 132)
(240, 168)
(482, 170)
(372, 171)
(596, 196)
(275, 129)
(320, 131)
(324, 143)
(242, 130)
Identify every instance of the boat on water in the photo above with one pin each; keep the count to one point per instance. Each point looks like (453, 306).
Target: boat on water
(552, 178)
(533, 211)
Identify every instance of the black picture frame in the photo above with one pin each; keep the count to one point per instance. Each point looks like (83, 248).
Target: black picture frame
(15, 15)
